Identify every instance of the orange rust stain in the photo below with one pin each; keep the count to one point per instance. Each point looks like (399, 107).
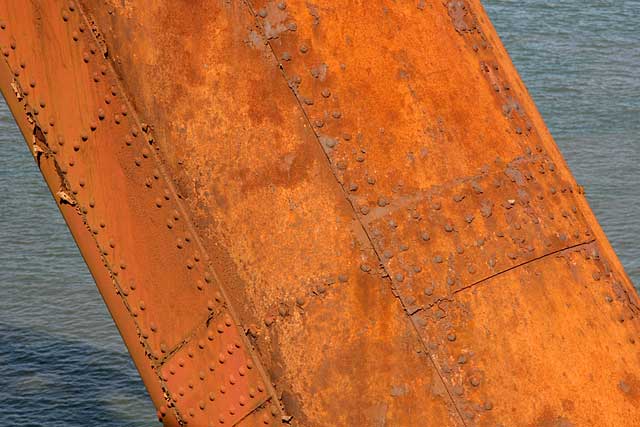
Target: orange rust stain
(305, 216)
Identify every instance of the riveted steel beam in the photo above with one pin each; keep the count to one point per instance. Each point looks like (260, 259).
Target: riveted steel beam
(324, 214)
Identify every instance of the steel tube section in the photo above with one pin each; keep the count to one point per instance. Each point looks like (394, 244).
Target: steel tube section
(324, 213)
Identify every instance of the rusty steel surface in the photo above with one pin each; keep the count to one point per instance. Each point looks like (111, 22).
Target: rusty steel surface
(324, 214)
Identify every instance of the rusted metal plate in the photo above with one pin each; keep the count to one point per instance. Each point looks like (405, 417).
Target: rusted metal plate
(338, 181)
(213, 379)
(276, 223)
(527, 348)
(102, 164)
(451, 237)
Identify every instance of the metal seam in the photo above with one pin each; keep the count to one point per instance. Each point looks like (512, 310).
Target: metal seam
(588, 242)
(66, 185)
(96, 34)
(317, 138)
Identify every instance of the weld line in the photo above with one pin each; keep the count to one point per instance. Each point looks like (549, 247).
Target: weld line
(258, 406)
(523, 264)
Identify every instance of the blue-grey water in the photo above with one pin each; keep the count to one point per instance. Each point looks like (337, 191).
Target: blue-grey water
(63, 362)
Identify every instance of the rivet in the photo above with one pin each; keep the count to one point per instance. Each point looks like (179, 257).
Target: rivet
(326, 93)
(86, 57)
(65, 16)
(141, 305)
(451, 337)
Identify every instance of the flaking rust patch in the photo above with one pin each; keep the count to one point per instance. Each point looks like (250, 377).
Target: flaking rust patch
(254, 40)
(463, 19)
(274, 20)
(629, 386)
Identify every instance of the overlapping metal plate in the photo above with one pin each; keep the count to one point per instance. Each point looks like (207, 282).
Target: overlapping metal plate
(316, 214)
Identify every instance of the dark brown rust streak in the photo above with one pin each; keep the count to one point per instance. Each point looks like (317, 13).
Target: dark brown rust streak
(355, 212)
(100, 41)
